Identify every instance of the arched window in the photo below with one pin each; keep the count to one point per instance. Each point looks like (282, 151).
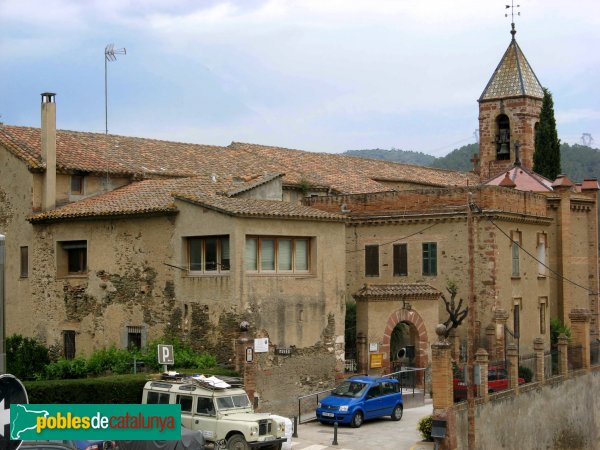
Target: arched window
(503, 137)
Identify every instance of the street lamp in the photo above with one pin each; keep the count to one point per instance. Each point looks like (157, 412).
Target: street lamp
(110, 54)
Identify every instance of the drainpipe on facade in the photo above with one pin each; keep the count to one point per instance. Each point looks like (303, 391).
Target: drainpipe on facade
(49, 149)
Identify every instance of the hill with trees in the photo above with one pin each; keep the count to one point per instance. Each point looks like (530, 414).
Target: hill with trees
(578, 161)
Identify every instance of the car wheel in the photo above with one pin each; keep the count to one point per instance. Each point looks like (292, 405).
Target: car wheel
(323, 422)
(237, 442)
(357, 420)
(397, 413)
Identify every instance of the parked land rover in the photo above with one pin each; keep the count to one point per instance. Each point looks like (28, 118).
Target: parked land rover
(222, 411)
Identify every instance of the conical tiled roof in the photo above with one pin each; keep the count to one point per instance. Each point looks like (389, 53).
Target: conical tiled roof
(513, 77)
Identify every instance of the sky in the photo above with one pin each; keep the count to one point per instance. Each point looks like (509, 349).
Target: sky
(319, 75)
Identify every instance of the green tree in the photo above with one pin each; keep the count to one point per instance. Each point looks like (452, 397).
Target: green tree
(546, 157)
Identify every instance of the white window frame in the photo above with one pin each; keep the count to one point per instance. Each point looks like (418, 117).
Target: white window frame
(254, 263)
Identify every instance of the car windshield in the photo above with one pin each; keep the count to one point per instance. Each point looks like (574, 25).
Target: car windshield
(350, 389)
(235, 401)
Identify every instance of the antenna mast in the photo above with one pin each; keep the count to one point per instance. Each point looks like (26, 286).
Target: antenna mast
(110, 54)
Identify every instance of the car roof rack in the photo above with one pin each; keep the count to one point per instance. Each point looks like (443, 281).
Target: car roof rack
(212, 382)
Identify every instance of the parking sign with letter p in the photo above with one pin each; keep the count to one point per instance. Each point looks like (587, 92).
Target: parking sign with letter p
(165, 354)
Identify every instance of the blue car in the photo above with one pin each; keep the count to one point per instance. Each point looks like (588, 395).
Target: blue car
(361, 398)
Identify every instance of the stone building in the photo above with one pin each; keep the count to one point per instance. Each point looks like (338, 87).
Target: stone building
(114, 240)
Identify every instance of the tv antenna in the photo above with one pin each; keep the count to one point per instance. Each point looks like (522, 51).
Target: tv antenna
(110, 54)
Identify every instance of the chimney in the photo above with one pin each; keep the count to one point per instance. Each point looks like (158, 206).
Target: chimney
(49, 150)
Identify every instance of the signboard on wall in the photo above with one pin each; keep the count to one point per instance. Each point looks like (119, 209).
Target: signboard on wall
(376, 360)
(373, 347)
(261, 345)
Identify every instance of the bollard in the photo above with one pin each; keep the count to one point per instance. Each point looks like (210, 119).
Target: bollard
(295, 433)
(335, 427)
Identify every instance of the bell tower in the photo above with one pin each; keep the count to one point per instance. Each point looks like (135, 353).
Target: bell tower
(509, 110)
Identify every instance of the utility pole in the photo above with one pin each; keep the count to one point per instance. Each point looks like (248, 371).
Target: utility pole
(471, 327)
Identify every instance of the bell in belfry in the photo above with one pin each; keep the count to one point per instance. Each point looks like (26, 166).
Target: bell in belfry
(503, 144)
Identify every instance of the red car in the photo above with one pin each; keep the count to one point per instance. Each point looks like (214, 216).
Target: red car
(497, 381)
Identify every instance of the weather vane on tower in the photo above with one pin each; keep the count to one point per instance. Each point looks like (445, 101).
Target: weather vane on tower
(512, 16)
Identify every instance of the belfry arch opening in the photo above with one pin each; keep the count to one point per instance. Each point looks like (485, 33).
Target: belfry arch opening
(503, 138)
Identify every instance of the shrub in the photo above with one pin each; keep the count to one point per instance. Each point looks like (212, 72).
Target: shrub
(113, 389)
(66, 369)
(556, 329)
(425, 425)
(526, 373)
(109, 360)
(25, 357)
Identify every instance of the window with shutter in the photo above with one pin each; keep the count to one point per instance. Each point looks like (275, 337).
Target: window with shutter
(372, 260)
(400, 260)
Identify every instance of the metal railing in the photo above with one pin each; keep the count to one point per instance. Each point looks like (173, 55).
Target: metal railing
(307, 405)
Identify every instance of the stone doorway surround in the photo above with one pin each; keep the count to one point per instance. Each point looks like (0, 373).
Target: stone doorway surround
(380, 307)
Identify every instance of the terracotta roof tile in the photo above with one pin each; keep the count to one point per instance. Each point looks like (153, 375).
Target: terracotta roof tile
(100, 153)
(398, 290)
(258, 208)
(521, 179)
(157, 196)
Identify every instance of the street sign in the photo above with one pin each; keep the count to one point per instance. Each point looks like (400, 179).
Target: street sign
(165, 354)
(12, 392)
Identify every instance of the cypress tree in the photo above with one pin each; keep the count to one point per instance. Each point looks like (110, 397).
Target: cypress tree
(546, 157)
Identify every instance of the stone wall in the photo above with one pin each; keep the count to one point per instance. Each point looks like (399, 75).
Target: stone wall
(559, 415)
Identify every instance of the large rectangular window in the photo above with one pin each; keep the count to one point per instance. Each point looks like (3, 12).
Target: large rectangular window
(277, 254)
(400, 260)
(430, 258)
(208, 254)
(24, 262)
(372, 260)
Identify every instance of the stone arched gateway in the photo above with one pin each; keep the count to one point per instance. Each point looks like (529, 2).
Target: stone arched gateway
(421, 345)
(379, 308)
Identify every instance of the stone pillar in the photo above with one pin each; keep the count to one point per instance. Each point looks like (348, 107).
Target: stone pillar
(442, 387)
(362, 354)
(563, 361)
(441, 375)
(513, 367)
(580, 335)
(538, 348)
(455, 344)
(490, 334)
(247, 369)
(481, 358)
(500, 318)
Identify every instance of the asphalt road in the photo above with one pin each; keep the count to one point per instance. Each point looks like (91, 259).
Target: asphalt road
(378, 434)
